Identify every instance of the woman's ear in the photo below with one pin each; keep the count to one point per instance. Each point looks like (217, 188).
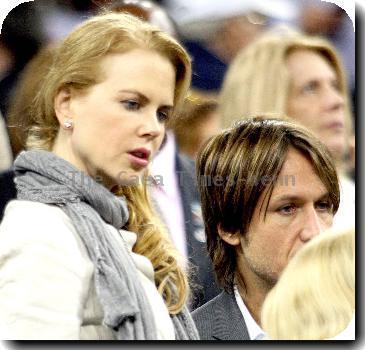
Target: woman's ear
(229, 237)
(62, 103)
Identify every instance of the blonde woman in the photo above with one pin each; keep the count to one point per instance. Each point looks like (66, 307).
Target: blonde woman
(77, 261)
(288, 73)
(315, 296)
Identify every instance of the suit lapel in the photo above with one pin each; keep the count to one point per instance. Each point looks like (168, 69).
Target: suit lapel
(228, 322)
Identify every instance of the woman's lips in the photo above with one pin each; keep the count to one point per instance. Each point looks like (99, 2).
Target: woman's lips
(139, 157)
(137, 162)
(335, 126)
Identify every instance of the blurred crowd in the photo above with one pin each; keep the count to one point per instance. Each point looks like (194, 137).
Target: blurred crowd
(238, 49)
(212, 31)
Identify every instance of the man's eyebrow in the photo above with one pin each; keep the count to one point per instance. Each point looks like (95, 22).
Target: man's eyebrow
(284, 198)
(295, 198)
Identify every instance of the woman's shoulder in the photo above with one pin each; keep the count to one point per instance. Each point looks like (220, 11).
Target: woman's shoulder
(29, 209)
(43, 265)
(27, 221)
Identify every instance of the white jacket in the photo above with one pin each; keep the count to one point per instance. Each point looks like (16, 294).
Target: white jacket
(46, 278)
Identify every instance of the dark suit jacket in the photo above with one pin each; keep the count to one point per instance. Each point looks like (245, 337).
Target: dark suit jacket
(221, 319)
(7, 189)
(208, 68)
(205, 285)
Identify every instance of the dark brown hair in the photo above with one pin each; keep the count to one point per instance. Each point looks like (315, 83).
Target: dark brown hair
(231, 169)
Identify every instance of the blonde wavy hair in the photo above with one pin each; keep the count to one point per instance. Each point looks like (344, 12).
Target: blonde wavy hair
(258, 80)
(76, 64)
(315, 296)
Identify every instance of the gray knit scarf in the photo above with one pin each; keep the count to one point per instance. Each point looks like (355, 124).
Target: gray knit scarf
(43, 177)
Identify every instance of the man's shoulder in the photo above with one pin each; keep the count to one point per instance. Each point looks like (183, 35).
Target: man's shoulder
(207, 315)
(204, 317)
(221, 319)
(208, 308)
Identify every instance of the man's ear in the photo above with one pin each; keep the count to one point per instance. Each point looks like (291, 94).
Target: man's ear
(62, 104)
(229, 237)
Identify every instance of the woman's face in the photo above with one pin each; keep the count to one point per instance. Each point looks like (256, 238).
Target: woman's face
(316, 100)
(118, 124)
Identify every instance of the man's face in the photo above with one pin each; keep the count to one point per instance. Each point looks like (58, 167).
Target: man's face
(315, 99)
(298, 210)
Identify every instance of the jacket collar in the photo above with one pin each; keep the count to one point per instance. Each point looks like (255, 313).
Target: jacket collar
(228, 321)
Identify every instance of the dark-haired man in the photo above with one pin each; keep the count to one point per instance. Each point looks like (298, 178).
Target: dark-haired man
(278, 188)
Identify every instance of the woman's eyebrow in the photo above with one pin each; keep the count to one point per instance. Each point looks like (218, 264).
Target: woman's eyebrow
(144, 98)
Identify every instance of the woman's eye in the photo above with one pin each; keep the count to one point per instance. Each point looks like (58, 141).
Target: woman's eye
(310, 87)
(336, 86)
(131, 105)
(162, 116)
(287, 209)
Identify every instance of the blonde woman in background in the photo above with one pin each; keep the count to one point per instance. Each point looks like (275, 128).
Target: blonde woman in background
(287, 73)
(76, 260)
(315, 296)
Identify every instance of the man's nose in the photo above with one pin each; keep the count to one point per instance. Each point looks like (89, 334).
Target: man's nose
(312, 225)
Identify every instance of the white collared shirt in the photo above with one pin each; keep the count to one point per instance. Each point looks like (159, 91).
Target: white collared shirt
(254, 330)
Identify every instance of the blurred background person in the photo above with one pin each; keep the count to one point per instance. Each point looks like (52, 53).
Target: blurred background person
(148, 10)
(198, 120)
(60, 17)
(20, 39)
(314, 298)
(28, 84)
(332, 22)
(287, 73)
(214, 31)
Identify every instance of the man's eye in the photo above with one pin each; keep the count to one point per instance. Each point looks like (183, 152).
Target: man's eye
(287, 209)
(324, 206)
(131, 105)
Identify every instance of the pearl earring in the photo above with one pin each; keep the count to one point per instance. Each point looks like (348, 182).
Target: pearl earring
(67, 124)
